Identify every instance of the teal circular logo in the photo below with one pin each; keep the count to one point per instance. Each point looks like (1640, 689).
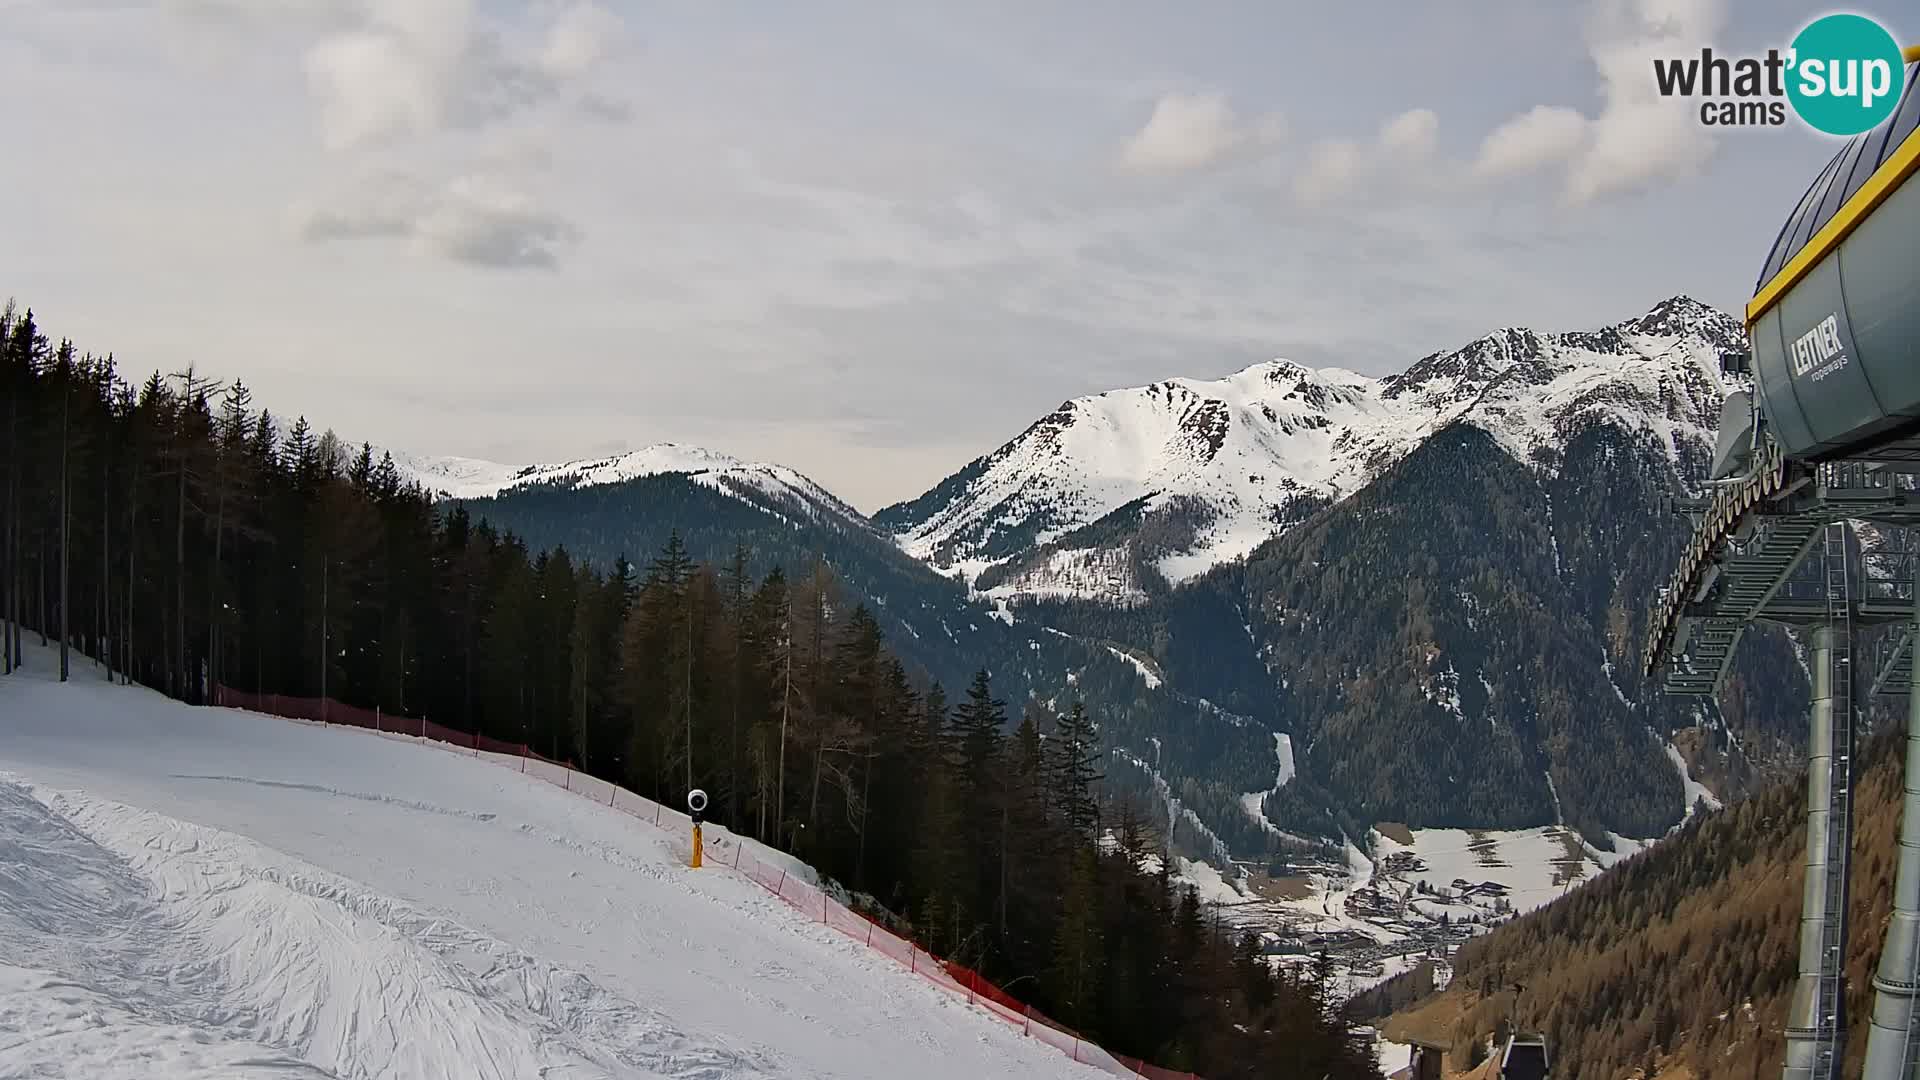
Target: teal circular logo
(1845, 74)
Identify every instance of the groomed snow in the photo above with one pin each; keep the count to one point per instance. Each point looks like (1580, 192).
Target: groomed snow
(210, 893)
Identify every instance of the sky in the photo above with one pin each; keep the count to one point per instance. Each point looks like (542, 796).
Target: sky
(871, 241)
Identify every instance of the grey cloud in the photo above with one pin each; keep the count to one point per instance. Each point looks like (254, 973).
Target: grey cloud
(611, 110)
(499, 236)
(411, 68)
(476, 220)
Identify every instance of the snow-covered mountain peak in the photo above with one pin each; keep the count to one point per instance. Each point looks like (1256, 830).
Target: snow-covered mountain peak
(469, 478)
(1219, 466)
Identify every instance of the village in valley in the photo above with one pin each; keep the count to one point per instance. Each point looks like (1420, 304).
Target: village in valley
(1360, 917)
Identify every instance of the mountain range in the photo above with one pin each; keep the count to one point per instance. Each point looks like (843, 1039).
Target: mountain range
(1117, 495)
(1431, 582)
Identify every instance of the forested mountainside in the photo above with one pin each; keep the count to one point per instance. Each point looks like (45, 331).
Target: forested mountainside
(1682, 956)
(189, 540)
(1446, 624)
(1206, 754)
(1457, 645)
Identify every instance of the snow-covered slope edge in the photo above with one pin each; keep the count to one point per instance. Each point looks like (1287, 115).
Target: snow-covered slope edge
(1185, 474)
(196, 892)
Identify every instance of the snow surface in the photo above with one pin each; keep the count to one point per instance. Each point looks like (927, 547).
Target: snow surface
(1244, 447)
(1393, 1056)
(1254, 802)
(210, 893)
(1206, 880)
(1526, 861)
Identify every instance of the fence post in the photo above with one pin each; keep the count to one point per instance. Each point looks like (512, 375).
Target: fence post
(423, 725)
(376, 719)
(1076, 1048)
(823, 907)
(869, 933)
(971, 976)
(1027, 1011)
(782, 887)
(737, 845)
(913, 958)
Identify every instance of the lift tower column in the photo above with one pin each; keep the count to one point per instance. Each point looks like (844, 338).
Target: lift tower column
(1816, 1020)
(1893, 1046)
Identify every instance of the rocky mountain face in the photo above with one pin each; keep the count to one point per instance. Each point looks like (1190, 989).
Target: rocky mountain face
(1118, 495)
(1433, 583)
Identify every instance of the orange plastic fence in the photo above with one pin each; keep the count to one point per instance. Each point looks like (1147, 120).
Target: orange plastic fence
(723, 850)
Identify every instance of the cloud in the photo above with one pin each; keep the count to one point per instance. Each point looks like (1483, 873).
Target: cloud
(611, 110)
(1337, 168)
(1333, 167)
(1639, 139)
(485, 223)
(477, 219)
(1192, 131)
(392, 76)
(1412, 134)
(413, 67)
(578, 39)
(1541, 137)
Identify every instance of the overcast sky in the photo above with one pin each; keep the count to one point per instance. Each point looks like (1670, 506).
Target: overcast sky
(871, 241)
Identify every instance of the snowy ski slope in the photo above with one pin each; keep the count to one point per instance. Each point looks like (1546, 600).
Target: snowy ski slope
(210, 893)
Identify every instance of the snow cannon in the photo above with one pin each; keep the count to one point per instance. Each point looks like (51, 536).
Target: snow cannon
(1834, 322)
(696, 805)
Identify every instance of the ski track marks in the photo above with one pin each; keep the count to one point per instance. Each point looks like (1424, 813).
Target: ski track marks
(138, 945)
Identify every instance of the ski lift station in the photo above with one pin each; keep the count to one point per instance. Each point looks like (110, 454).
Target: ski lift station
(1829, 435)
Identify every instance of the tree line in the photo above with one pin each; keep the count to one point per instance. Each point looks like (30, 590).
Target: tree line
(183, 539)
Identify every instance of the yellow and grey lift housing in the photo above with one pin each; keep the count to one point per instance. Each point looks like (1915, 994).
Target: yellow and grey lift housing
(1832, 418)
(1834, 322)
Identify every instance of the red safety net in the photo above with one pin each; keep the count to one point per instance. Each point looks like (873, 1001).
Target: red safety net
(722, 849)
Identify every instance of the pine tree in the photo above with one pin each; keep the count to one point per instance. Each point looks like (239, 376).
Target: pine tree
(1074, 770)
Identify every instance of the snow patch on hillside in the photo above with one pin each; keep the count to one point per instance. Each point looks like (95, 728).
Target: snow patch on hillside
(1147, 673)
(1694, 791)
(1253, 802)
(1206, 881)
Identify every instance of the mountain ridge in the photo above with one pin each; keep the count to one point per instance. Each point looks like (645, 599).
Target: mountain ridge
(1208, 470)
(1565, 444)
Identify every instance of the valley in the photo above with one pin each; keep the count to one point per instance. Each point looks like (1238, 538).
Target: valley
(1299, 603)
